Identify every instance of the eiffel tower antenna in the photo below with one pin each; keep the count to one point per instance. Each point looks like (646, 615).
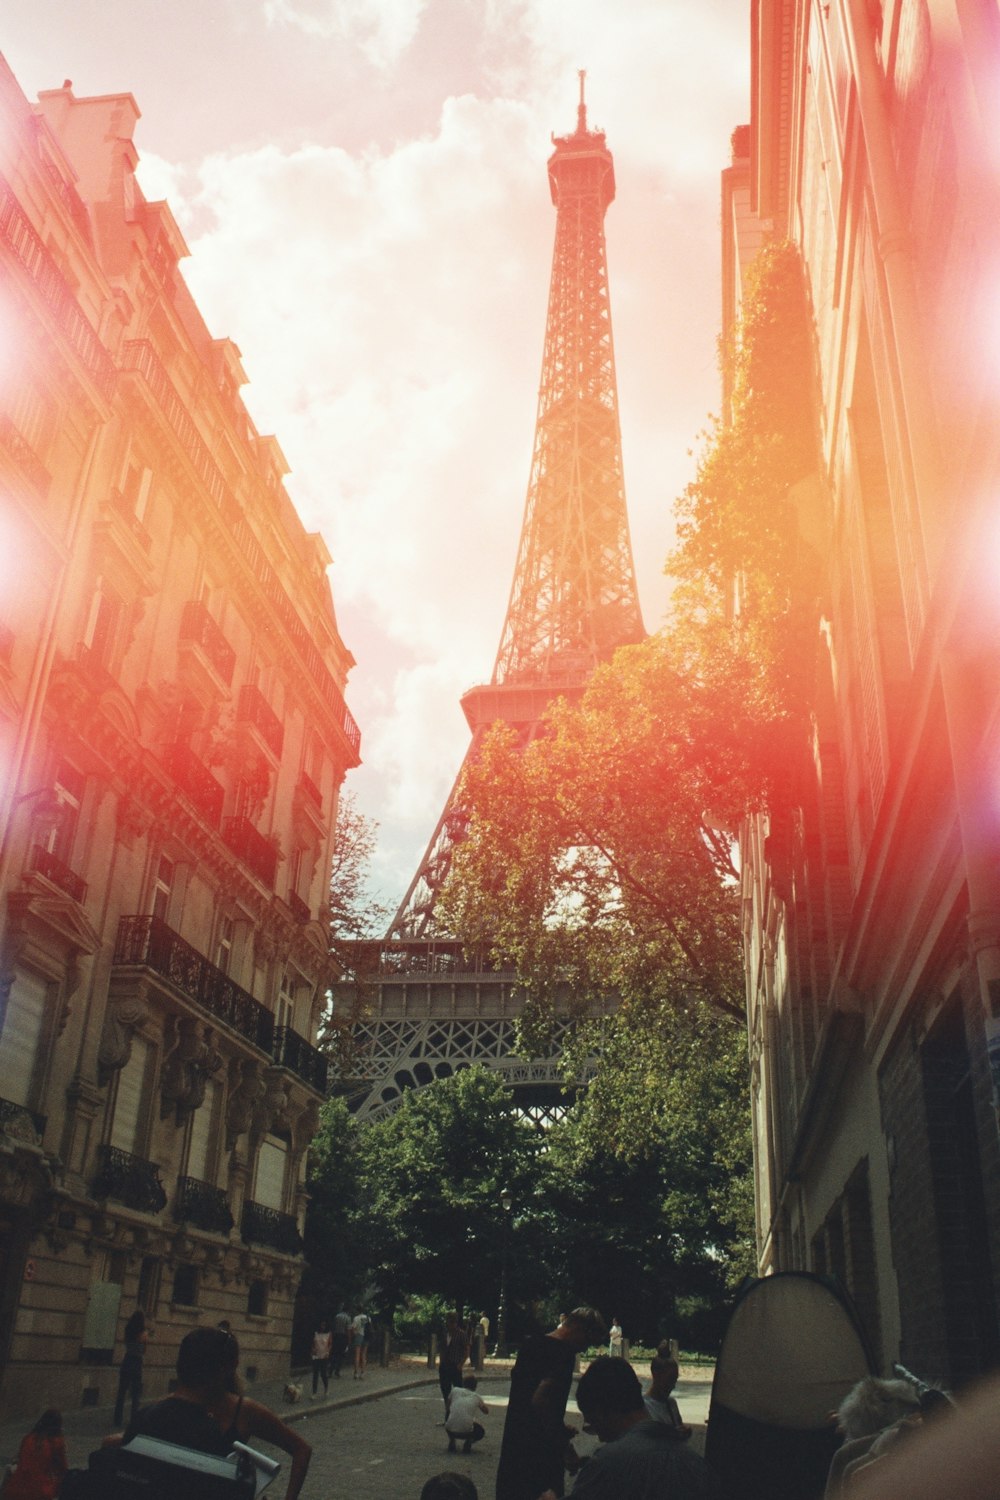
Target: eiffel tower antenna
(573, 600)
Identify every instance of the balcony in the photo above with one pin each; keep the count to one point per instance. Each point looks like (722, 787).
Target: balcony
(126, 513)
(130, 1180)
(149, 943)
(309, 791)
(28, 249)
(19, 1122)
(305, 1061)
(203, 1205)
(21, 451)
(200, 631)
(47, 864)
(266, 1226)
(196, 780)
(257, 853)
(253, 708)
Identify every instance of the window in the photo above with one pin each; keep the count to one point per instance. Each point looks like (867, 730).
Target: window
(163, 887)
(69, 788)
(135, 490)
(285, 1013)
(21, 1035)
(103, 625)
(204, 1123)
(269, 1182)
(130, 1114)
(224, 944)
(149, 1284)
(257, 1300)
(185, 1288)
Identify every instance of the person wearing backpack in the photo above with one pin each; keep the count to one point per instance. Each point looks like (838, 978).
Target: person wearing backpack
(360, 1333)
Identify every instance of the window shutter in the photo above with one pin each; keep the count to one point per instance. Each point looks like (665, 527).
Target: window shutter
(22, 1031)
(269, 1188)
(128, 1104)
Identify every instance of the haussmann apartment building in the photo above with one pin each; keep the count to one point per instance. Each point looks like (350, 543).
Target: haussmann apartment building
(872, 896)
(173, 737)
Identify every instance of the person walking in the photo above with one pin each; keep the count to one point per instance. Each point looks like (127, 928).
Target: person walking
(534, 1434)
(136, 1337)
(322, 1347)
(41, 1461)
(615, 1337)
(360, 1324)
(453, 1354)
(341, 1339)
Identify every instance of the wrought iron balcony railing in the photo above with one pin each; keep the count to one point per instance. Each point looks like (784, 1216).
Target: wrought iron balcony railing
(130, 1180)
(249, 845)
(253, 708)
(53, 868)
(149, 942)
(27, 247)
(203, 1205)
(17, 1119)
(194, 778)
(306, 1061)
(266, 1226)
(198, 627)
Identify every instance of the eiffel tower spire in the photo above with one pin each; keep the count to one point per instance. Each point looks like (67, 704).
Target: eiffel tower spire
(574, 600)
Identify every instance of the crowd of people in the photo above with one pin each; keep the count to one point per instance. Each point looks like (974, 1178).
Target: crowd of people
(642, 1451)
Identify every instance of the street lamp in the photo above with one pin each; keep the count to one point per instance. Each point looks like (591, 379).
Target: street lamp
(506, 1203)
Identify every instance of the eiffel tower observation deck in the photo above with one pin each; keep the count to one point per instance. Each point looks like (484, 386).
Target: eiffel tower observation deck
(573, 602)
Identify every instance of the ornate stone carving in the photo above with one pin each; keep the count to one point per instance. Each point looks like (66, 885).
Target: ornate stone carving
(189, 1064)
(244, 1099)
(121, 1020)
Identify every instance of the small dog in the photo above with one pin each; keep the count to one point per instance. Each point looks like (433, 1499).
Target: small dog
(292, 1392)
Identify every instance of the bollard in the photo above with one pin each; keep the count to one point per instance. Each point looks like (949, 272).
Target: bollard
(430, 1351)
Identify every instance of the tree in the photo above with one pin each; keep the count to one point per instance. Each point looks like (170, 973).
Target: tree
(355, 915)
(432, 1174)
(599, 859)
(335, 1233)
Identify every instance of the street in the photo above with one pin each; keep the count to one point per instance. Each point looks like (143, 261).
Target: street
(387, 1448)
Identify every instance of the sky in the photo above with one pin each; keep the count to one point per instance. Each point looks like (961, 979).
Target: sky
(362, 186)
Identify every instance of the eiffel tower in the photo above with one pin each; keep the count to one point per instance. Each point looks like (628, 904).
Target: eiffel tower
(573, 602)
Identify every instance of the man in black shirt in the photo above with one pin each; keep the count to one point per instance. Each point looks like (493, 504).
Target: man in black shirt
(534, 1435)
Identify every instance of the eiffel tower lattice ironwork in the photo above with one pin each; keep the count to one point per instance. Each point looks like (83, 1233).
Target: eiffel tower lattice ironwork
(573, 602)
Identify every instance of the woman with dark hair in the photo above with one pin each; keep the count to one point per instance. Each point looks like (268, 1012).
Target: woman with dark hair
(136, 1337)
(41, 1461)
(206, 1410)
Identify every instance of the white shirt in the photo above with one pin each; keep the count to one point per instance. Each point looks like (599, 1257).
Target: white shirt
(463, 1405)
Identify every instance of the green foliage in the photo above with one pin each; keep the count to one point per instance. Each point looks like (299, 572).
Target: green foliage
(335, 1231)
(434, 1171)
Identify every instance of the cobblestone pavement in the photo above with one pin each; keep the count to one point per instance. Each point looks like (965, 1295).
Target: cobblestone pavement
(386, 1449)
(377, 1439)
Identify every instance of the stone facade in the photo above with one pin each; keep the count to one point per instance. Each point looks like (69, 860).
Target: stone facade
(173, 738)
(872, 909)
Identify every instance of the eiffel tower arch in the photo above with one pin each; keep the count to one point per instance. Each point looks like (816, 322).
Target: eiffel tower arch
(573, 602)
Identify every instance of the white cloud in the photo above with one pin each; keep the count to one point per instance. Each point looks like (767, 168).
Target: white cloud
(390, 304)
(381, 29)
